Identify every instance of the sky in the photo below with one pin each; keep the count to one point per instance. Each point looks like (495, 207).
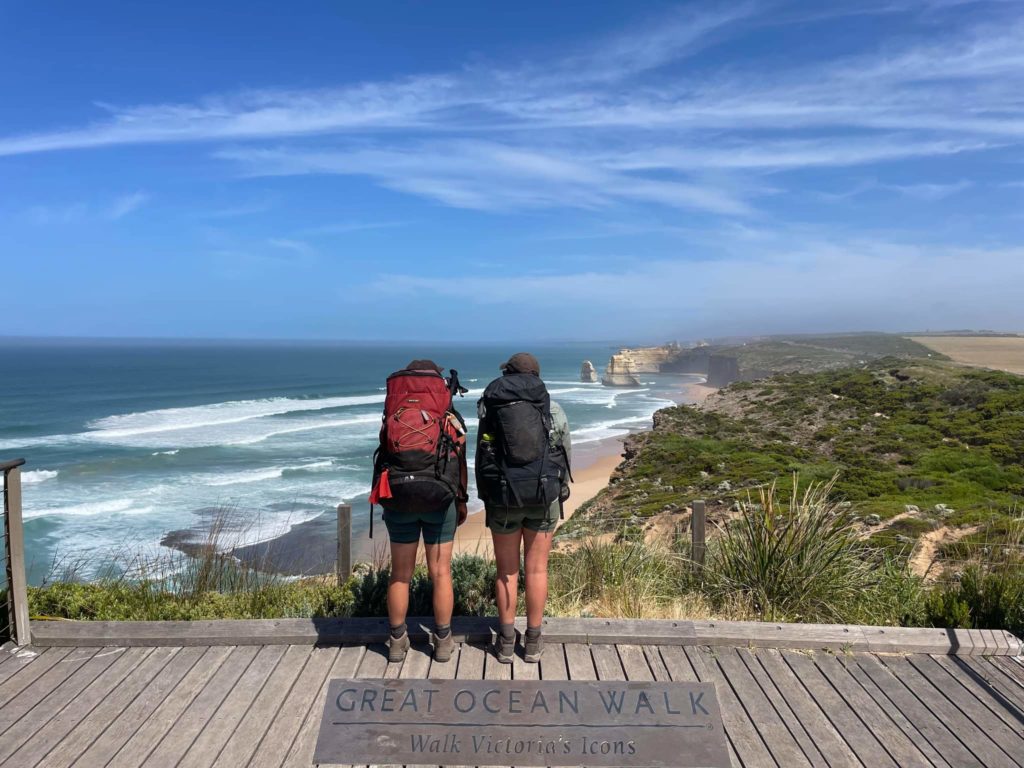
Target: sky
(497, 171)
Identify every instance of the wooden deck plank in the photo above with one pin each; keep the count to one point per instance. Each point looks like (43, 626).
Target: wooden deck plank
(606, 662)
(138, 748)
(523, 671)
(655, 663)
(301, 701)
(978, 742)
(189, 668)
(240, 746)
(471, 662)
(1003, 687)
(807, 711)
(28, 673)
(634, 662)
(495, 670)
(750, 747)
(1012, 668)
(773, 730)
(300, 751)
(1012, 686)
(854, 732)
(14, 658)
(174, 741)
(771, 692)
(26, 699)
(552, 664)
(109, 710)
(218, 726)
(579, 662)
(445, 670)
(972, 691)
(902, 699)
(21, 727)
(884, 724)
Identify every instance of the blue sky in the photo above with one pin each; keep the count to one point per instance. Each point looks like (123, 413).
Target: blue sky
(477, 171)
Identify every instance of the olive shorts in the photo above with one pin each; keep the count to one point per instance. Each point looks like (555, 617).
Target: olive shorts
(513, 519)
(435, 527)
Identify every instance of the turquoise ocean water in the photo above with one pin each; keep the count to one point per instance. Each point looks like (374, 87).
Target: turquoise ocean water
(128, 440)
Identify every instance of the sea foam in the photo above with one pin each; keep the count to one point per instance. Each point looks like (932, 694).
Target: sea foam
(37, 476)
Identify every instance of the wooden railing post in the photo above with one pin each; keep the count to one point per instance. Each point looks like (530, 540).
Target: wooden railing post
(697, 524)
(17, 590)
(344, 542)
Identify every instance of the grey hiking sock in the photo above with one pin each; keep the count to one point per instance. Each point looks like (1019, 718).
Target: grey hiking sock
(443, 630)
(397, 632)
(532, 633)
(507, 631)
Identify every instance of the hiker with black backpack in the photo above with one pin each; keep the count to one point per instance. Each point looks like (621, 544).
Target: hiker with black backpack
(420, 478)
(522, 475)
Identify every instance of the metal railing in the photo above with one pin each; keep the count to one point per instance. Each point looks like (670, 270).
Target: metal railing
(16, 625)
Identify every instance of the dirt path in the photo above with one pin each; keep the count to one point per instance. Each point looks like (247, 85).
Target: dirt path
(923, 557)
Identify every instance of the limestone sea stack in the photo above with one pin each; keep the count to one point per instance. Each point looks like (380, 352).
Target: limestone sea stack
(624, 366)
(588, 373)
(620, 373)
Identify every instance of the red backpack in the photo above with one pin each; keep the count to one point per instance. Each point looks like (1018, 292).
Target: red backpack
(417, 467)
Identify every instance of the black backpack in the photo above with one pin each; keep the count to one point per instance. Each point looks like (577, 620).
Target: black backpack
(515, 463)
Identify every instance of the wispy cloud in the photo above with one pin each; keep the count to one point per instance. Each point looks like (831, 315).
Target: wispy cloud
(126, 204)
(633, 117)
(346, 227)
(297, 247)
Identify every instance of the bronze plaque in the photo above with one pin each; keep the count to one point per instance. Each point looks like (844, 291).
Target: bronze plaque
(522, 723)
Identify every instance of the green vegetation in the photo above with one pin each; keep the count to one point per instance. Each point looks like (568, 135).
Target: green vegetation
(788, 354)
(799, 561)
(886, 456)
(896, 432)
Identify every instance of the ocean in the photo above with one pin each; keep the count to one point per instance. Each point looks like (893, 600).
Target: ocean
(126, 441)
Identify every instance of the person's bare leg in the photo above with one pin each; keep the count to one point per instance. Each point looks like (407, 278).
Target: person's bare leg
(506, 557)
(439, 565)
(403, 563)
(537, 546)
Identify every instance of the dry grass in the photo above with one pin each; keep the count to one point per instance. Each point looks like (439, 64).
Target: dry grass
(1002, 353)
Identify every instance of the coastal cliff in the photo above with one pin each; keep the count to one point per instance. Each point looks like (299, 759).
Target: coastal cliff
(624, 366)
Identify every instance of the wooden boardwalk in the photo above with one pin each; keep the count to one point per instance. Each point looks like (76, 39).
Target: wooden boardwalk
(181, 700)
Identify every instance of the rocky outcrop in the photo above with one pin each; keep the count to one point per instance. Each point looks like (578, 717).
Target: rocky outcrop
(626, 364)
(588, 373)
(722, 370)
(620, 373)
(644, 359)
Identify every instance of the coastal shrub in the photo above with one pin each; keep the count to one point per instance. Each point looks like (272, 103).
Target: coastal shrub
(472, 579)
(983, 598)
(146, 601)
(800, 561)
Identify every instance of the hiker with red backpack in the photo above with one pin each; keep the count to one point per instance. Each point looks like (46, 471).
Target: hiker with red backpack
(522, 474)
(420, 478)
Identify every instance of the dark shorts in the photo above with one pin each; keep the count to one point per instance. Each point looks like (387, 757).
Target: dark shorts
(434, 527)
(511, 520)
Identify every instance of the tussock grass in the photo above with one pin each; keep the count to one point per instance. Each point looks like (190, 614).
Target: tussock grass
(795, 561)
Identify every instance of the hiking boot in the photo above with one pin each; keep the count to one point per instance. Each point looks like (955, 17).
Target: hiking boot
(504, 649)
(532, 649)
(398, 647)
(444, 647)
